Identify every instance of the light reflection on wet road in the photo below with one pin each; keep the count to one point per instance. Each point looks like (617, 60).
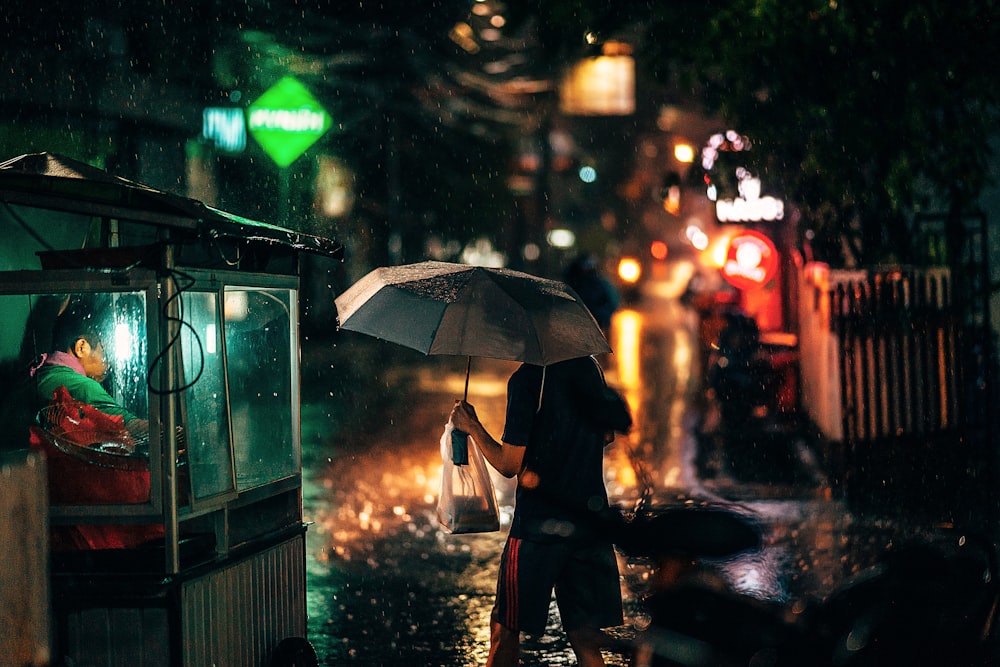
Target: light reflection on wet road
(387, 587)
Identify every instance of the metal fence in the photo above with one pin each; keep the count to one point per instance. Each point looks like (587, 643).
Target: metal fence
(894, 378)
(900, 365)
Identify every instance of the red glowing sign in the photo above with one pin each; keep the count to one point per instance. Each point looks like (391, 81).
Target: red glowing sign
(750, 261)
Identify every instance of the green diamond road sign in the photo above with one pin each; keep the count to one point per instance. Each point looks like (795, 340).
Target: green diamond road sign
(286, 120)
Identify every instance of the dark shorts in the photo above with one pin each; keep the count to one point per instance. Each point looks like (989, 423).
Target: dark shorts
(585, 579)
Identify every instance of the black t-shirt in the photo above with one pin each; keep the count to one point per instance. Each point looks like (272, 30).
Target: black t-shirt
(562, 485)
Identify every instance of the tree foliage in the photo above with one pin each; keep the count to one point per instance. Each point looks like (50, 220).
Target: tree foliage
(865, 114)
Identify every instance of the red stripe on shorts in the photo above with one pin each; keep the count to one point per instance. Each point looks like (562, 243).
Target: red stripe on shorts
(510, 583)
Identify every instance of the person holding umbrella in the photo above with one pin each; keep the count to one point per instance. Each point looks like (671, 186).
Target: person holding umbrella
(558, 421)
(560, 416)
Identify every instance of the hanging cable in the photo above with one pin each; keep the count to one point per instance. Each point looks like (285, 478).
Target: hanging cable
(179, 290)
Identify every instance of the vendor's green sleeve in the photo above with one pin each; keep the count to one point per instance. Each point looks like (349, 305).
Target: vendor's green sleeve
(80, 387)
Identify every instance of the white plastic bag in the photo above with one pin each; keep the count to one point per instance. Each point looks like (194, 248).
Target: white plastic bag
(467, 503)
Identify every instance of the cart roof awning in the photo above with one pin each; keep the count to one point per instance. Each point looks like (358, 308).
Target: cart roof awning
(56, 182)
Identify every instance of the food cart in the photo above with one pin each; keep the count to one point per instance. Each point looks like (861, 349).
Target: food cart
(186, 547)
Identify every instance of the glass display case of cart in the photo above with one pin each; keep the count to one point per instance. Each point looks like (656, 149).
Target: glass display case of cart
(150, 354)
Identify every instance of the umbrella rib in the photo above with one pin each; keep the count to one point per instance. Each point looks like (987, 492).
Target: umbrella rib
(468, 371)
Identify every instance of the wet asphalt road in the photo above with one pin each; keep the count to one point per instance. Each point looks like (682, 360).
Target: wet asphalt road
(388, 587)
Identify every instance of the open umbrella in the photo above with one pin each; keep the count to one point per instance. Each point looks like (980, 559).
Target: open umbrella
(473, 311)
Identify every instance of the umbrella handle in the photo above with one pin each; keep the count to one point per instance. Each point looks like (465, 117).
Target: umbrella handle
(468, 369)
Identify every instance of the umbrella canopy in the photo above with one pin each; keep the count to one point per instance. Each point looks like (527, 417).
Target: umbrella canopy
(474, 311)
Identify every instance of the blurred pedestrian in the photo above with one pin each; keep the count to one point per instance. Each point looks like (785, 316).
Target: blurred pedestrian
(559, 420)
(739, 377)
(584, 275)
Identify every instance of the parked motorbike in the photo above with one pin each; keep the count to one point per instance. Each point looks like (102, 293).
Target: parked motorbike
(740, 379)
(747, 430)
(931, 602)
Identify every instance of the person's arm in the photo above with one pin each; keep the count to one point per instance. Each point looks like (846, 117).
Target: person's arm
(93, 394)
(137, 427)
(506, 458)
(89, 391)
